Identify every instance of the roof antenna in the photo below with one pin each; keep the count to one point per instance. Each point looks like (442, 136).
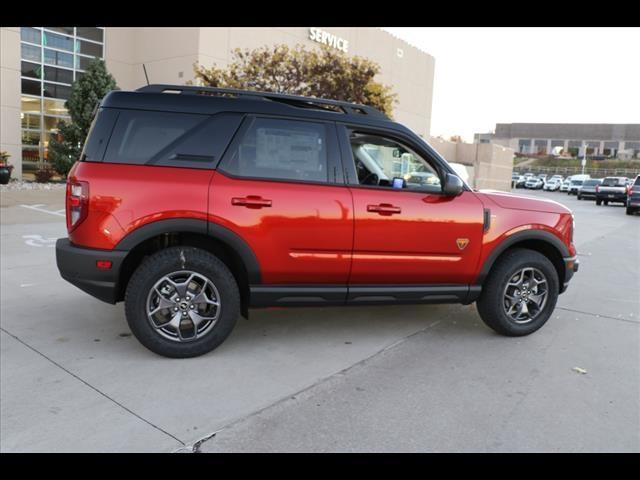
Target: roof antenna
(145, 73)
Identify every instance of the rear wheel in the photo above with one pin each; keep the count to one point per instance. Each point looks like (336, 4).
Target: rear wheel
(579, 197)
(182, 302)
(629, 211)
(598, 202)
(520, 293)
(606, 202)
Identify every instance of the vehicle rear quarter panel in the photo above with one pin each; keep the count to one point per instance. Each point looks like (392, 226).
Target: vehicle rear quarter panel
(124, 197)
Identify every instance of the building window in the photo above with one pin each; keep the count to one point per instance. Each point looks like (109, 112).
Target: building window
(51, 59)
(524, 145)
(540, 147)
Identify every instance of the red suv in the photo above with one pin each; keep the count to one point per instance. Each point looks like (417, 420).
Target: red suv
(195, 204)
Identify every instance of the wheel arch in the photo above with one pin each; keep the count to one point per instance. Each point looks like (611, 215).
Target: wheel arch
(540, 241)
(232, 250)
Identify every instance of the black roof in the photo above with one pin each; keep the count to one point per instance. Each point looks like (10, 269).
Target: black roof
(208, 101)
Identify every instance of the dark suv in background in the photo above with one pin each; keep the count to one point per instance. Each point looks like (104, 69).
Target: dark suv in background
(633, 197)
(612, 189)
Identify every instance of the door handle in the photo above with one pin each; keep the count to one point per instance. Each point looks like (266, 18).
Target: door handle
(384, 209)
(251, 201)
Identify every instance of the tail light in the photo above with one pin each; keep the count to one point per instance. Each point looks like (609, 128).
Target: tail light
(597, 188)
(77, 203)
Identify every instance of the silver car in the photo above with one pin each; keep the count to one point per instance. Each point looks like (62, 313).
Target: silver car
(588, 188)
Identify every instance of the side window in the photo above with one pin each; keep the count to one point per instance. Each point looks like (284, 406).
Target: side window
(170, 139)
(384, 162)
(281, 149)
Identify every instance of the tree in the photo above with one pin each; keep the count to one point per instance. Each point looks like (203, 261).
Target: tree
(320, 73)
(86, 93)
(455, 138)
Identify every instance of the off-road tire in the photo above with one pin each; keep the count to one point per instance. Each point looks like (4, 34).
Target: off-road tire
(163, 263)
(490, 303)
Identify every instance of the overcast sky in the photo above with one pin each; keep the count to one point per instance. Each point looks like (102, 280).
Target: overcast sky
(485, 76)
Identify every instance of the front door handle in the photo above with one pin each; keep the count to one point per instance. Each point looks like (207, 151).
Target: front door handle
(384, 209)
(251, 201)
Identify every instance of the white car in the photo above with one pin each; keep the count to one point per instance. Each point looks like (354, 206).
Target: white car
(553, 184)
(565, 185)
(534, 183)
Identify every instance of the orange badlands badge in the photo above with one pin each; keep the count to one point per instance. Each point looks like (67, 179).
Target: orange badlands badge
(462, 243)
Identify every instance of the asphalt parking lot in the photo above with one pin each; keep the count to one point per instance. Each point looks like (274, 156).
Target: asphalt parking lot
(405, 378)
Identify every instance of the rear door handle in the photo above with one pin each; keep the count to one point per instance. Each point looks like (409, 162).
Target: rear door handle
(384, 209)
(251, 201)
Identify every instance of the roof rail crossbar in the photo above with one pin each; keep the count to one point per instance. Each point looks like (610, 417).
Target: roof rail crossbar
(346, 107)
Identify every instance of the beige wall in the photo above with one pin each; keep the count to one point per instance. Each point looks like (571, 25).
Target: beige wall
(490, 166)
(10, 136)
(169, 55)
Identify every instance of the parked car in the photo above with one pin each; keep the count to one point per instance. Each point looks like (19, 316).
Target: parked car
(517, 180)
(553, 184)
(566, 183)
(576, 183)
(633, 197)
(534, 183)
(588, 188)
(612, 189)
(559, 177)
(194, 204)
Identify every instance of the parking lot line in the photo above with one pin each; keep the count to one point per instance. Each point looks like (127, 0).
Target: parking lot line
(59, 213)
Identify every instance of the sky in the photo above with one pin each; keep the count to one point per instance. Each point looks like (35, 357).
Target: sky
(485, 76)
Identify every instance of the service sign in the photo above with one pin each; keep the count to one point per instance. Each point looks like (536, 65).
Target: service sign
(326, 38)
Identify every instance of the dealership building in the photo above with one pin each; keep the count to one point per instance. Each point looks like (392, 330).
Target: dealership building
(599, 139)
(39, 64)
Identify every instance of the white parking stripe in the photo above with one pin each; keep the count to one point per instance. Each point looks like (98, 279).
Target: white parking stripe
(59, 213)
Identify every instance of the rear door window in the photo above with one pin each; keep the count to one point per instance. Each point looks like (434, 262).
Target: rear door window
(282, 149)
(170, 139)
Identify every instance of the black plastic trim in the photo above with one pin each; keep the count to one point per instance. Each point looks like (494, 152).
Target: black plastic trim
(203, 227)
(519, 237)
(78, 266)
(319, 295)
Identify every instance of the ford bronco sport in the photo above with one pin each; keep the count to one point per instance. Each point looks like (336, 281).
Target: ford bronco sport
(194, 204)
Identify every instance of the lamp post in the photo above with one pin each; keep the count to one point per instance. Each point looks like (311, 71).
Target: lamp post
(584, 157)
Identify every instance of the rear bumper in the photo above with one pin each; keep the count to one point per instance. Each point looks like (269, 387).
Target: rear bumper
(612, 197)
(77, 266)
(571, 266)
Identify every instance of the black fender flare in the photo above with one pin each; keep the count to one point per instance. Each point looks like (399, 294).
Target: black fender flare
(203, 227)
(517, 237)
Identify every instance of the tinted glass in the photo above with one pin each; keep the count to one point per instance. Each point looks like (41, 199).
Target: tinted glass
(28, 34)
(58, 75)
(92, 33)
(53, 57)
(88, 48)
(31, 87)
(576, 182)
(29, 52)
(54, 40)
(56, 91)
(281, 149)
(590, 183)
(32, 70)
(145, 137)
(637, 182)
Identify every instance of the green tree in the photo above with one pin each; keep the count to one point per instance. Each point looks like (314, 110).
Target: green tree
(86, 93)
(320, 73)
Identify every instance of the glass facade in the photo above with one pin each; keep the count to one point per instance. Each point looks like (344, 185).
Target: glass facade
(52, 58)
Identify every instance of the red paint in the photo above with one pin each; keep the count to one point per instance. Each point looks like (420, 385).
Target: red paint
(305, 233)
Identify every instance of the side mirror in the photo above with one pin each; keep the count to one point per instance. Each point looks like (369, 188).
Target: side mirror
(453, 186)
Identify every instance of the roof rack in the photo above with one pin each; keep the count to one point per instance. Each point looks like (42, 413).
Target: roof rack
(295, 100)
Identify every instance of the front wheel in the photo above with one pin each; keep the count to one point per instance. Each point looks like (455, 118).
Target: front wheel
(182, 302)
(519, 294)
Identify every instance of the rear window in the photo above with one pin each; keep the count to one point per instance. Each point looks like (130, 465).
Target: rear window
(172, 139)
(613, 182)
(576, 182)
(590, 183)
(637, 182)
